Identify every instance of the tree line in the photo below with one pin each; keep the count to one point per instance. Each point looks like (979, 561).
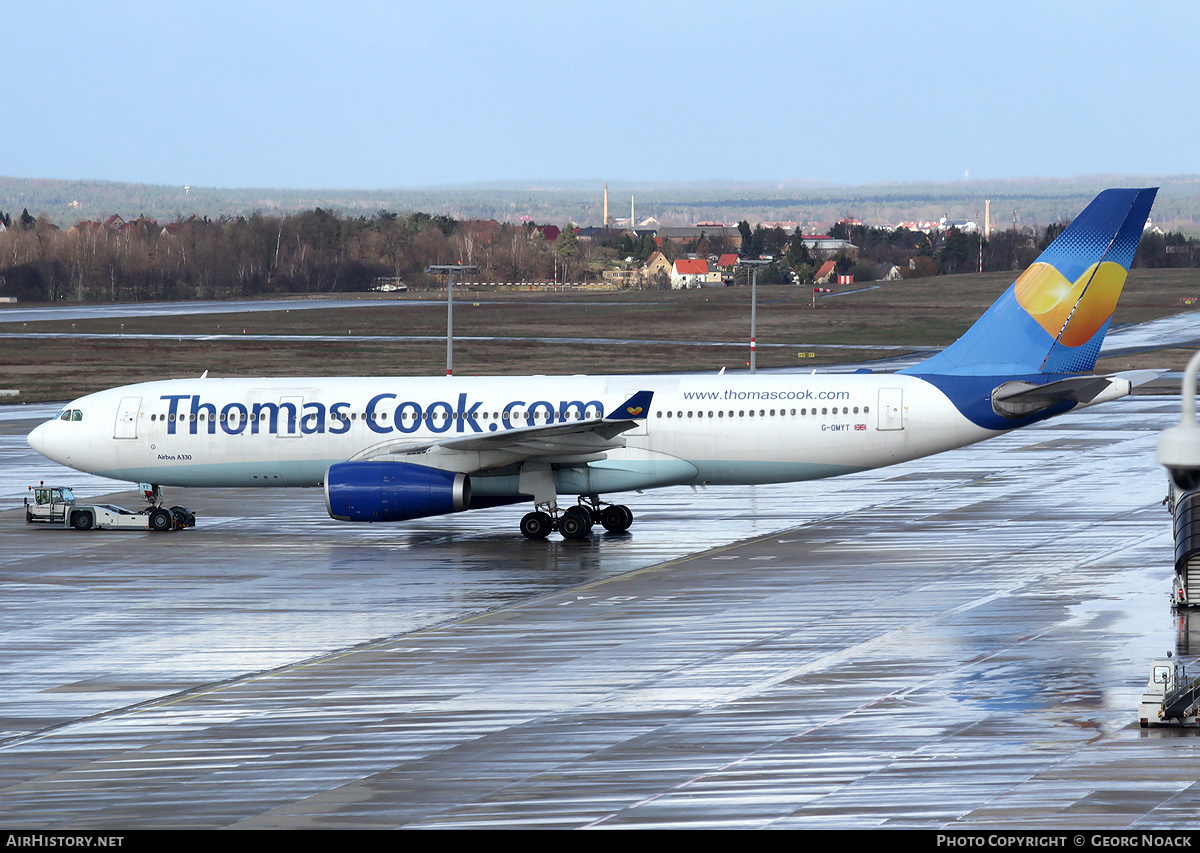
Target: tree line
(320, 251)
(917, 254)
(315, 251)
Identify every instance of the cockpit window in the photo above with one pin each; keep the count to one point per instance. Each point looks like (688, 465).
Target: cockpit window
(71, 415)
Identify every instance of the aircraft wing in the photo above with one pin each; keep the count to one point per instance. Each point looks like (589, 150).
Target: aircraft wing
(575, 442)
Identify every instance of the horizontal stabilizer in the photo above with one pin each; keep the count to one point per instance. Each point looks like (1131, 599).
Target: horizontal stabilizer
(1018, 399)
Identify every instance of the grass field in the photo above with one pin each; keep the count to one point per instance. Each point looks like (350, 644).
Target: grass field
(917, 313)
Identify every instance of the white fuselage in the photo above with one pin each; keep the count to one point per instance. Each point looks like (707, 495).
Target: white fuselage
(734, 429)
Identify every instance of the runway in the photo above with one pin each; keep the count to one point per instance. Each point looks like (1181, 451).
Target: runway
(955, 642)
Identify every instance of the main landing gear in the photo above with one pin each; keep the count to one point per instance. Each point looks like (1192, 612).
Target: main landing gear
(576, 522)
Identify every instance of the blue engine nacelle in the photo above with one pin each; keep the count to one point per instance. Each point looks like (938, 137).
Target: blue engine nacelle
(393, 491)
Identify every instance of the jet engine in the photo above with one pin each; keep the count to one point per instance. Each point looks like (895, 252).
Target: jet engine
(393, 491)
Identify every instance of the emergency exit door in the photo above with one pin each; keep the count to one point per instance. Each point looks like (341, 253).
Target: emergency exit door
(891, 408)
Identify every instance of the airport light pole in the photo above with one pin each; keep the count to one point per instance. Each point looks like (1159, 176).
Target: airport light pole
(449, 270)
(754, 264)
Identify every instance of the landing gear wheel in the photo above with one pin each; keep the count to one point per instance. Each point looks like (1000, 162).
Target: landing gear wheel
(616, 518)
(536, 525)
(161, 520)
(184, 517)
(575, 523)
(81, 521)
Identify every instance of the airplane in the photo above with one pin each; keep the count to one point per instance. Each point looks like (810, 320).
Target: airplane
(394, 449)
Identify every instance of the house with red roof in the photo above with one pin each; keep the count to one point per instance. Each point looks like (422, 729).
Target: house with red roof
(549, 232)
(688, 273)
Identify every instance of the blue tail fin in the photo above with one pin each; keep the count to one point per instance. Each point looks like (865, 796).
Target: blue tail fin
(1054, 316)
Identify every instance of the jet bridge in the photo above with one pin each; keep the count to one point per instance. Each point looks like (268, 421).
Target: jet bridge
(1185, 509)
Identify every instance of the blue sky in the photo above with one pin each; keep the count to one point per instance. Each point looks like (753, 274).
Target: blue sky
(390, 95)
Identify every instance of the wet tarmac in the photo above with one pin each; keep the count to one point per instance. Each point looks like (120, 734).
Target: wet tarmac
(959, 641)
(161, 309)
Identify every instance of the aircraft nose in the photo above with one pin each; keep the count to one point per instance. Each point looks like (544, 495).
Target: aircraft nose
(41, 439)
(37, 439)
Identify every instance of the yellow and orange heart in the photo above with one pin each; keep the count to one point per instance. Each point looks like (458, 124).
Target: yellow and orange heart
(1049, 298)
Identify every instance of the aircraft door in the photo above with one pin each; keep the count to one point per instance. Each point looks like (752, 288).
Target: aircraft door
(891, 408)
(127, 415)
(289, 424)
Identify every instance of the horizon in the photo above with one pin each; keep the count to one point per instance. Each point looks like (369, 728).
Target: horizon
(1020, 201)
(551, 184)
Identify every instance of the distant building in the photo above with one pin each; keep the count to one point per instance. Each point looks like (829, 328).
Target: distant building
(924, 227)
(967, 226)
(87, 226)
(655, 264)
(549, 232)
(690, 233)
(824, 246)
(690, 273)
(624, 277)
